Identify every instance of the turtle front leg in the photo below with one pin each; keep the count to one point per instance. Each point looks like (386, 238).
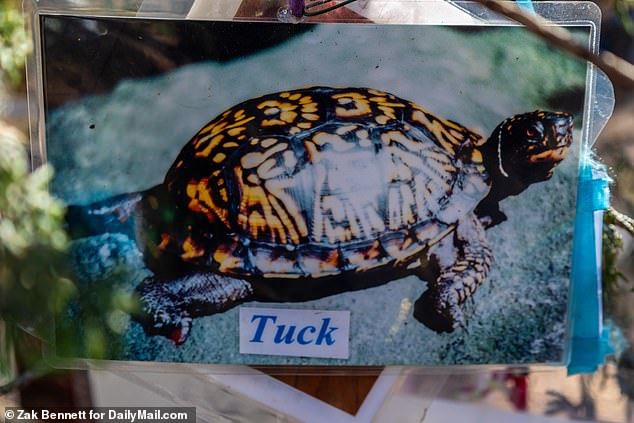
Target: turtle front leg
(169, 306)
(489, 213)
(463, 264)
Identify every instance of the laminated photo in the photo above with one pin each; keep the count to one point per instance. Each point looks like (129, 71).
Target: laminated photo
(323, 194)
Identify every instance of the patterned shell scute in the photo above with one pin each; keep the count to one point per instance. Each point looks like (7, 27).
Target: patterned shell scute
(348, 178)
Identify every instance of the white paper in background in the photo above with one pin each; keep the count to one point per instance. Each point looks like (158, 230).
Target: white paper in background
(382, 11)
(442, 13)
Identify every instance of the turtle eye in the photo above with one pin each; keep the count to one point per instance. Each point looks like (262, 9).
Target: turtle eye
(533, 133)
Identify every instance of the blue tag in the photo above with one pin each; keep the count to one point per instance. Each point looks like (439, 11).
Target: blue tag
(589, 341)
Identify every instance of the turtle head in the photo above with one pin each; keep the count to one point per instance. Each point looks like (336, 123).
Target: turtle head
(521, 151)
(529, 146)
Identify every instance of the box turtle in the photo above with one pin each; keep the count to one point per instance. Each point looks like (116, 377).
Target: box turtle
(306, 193)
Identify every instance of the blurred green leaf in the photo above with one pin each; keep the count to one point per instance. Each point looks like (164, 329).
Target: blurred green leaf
(33, 281)
(623, 9)
(36, 286)
(15, 44)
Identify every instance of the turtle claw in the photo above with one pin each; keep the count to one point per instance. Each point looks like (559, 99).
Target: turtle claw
(161, 318)
(172, 324)
(179, 334)
(458, 317)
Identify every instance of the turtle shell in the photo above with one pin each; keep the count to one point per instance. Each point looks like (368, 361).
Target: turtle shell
(318, 181)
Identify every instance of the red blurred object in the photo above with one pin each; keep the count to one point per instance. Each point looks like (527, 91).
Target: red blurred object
(517, 385)
(518, 393)
(514, 382)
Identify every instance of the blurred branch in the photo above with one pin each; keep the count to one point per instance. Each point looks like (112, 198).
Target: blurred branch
(620, 71)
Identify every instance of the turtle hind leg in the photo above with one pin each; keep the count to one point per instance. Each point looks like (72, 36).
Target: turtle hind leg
(439, 308)
(168, 307)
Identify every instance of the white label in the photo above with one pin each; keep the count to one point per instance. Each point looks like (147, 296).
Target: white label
(298, 333)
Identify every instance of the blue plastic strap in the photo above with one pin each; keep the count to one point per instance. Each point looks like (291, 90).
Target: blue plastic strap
(600, 189)
(589, 344)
